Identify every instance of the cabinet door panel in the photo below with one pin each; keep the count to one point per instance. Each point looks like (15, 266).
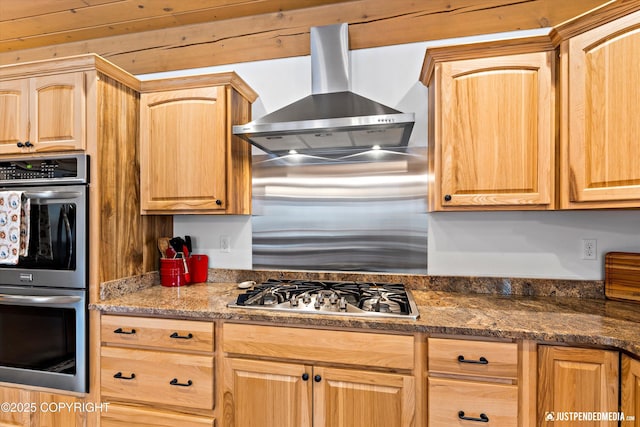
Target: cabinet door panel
(266, 394)
(125, 416)
(501, 358)
(630, 391)
(157, 377)
(352, 398)
(14, 396)
(57, 112)
(14, 113)
(171, 334)
(61, 412)
(576, 380)
(183, 154)
(449, 400)
(603, 124)
(496, 134)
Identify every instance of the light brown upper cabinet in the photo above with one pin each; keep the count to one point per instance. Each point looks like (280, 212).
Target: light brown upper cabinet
(190, 163)
(599, 122)
(491, 125)
(44, 113)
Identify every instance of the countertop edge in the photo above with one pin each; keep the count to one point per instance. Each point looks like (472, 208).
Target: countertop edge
(427, 324)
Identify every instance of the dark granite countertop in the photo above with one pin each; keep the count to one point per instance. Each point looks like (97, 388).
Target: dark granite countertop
(576, 321)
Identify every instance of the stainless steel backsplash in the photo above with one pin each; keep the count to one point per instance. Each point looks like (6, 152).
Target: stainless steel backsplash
(358, 213)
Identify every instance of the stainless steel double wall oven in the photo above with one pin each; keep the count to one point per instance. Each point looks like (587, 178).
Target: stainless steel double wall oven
(43, 294)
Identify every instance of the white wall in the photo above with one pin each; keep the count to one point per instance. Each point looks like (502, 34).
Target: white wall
(511, 244)
(206, 232)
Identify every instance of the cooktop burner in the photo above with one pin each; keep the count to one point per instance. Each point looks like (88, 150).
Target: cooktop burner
(344, 298)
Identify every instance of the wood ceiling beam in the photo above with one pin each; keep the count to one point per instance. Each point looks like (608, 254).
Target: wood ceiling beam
(372, 23)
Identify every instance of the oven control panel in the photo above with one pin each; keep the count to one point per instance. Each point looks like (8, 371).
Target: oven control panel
(38, 170)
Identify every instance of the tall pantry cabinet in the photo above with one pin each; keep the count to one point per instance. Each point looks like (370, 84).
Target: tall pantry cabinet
(83, 104)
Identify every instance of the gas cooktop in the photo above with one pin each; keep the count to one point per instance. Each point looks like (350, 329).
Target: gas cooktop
(344, 298)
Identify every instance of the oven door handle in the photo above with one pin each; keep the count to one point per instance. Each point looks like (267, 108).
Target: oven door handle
(40, 300)
(53, 195)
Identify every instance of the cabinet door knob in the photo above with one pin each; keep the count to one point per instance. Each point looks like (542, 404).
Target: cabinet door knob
(447, 197)
(20, 144)
(28, 144)
(481, 361)
(305, 377)
(119, 376)
(183, 337)
(317, 378)
(174, 381)
(482, 419)
(219, 202)
(121, 331)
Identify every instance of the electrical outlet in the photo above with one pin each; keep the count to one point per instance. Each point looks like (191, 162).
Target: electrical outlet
(225, 244)
(589, 249)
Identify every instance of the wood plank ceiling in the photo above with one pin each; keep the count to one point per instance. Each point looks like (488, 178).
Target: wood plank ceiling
(26, 24)
(144, 36)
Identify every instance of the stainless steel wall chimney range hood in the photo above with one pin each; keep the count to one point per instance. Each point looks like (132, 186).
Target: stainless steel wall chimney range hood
(332, 120)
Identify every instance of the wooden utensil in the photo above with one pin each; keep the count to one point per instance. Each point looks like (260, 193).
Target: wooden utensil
(163, 245)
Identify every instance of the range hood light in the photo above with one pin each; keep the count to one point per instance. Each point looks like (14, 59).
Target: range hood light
(375, 147)
(293, 152)
(332, 120)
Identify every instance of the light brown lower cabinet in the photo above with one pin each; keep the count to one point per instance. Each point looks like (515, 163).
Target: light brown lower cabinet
(267, 394)
(126, 416)
(478, 382)
(157, 372)
(576, 380)
(26, 408)
(456, 402)
(14, 396)
(164, 372)
(284, 393)
(630, 392)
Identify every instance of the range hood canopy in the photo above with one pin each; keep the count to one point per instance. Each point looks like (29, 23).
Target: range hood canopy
(332, 120)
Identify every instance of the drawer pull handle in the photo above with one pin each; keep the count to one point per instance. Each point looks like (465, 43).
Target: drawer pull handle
(482, 361)
(183, 337)
(121, 331)
(119, 376)
(482, 419)
(174, 381)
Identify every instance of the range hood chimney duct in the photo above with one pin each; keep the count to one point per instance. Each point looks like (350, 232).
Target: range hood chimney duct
(332, 120)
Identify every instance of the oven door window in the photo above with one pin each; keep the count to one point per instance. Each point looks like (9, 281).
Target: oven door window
(52, 237)
(38, 338)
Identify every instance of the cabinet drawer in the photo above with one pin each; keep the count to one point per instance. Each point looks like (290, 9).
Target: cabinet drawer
(170, 334)
(147, 376)
(315, 345)
(479, 358)
(450, 400)
(127, 416)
